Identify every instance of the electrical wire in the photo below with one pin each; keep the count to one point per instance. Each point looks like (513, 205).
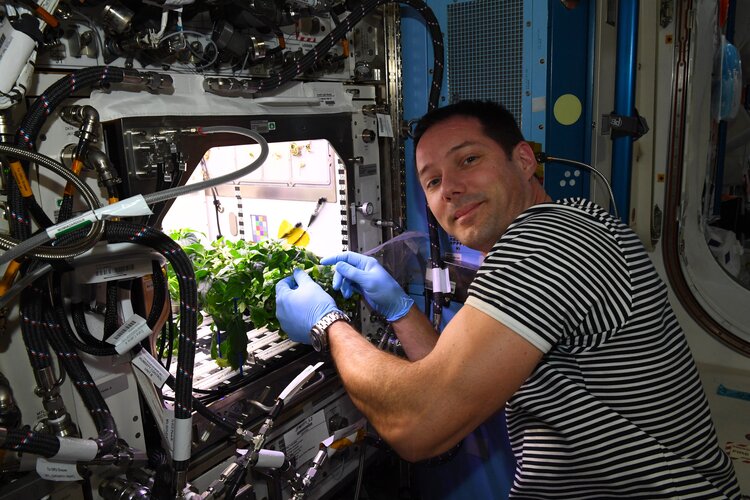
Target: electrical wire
(553, 159)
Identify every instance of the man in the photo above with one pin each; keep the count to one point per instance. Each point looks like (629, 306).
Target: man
(567, 326)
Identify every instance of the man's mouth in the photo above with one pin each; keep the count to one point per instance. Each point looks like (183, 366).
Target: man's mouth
(465, 210)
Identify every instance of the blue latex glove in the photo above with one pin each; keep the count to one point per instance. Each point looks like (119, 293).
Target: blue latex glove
(363, 274)
(300, 303)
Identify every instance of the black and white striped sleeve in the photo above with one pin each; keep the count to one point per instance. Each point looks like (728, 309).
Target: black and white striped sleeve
(557, 276)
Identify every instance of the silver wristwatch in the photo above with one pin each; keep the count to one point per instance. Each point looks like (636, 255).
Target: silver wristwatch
(319, 332)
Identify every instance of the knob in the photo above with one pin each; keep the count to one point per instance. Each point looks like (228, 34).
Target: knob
(366, 208)
(368, 135)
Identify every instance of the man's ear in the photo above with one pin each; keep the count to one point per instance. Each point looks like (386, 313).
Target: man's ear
(525, 157)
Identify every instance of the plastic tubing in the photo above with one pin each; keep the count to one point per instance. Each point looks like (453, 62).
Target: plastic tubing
(200, 186)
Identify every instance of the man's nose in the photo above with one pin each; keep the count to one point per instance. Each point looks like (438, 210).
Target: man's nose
(451, 185)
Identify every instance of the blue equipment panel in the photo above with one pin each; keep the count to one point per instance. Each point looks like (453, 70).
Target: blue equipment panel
(569, 99)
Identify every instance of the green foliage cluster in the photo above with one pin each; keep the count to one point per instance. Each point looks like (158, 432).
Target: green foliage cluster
(237, 287)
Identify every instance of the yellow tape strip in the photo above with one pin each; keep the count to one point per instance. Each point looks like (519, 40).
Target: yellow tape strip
(20, 176)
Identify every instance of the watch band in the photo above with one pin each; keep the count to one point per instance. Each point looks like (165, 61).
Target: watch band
(319, 332)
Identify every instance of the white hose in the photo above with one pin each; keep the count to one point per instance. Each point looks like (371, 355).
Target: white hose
(168, 194)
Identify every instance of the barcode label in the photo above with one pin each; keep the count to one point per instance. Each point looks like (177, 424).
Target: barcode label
(385, 128)
(106, 271)
(129, 334)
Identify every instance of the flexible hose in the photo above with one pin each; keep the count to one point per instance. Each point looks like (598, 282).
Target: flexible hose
(40, 322)
(34, 120)
(200, 186)
(126, 232)
(85, 341)
(36, 346)
(14, 248)
(160, 285)
(111, 317)
(26, 441)
(84, 384)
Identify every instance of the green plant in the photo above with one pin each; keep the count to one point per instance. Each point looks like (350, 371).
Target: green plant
(237, 287)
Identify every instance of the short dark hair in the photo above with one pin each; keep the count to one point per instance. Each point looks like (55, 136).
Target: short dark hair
(498, 123)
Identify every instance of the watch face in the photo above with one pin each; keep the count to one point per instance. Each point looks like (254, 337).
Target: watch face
(315, 341)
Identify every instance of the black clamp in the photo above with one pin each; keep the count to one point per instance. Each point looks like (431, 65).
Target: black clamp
(621, 126)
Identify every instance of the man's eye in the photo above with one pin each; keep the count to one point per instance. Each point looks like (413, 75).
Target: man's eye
(433, 183)
(470, 159)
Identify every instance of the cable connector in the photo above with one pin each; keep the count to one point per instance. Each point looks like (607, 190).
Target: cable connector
(151, 81)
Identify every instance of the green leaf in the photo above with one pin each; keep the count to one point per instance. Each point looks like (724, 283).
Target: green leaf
(238, 277)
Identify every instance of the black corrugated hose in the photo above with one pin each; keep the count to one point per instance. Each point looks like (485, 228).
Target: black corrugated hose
(116, 232)
(39, 318)
(78, 313)
(66, 208)
(32, 124)
(111, 318)
(91, 345)
(159, 283)
(40, 323)
(36, 347)
(87, 342)
(26, 441)
(84, 384)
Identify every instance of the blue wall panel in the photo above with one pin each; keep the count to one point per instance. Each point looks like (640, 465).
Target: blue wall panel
(569, 82)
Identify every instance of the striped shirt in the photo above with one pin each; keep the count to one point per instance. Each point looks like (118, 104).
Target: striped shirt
(615, 408)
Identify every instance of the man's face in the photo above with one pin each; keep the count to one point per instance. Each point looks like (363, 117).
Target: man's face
(471, 186)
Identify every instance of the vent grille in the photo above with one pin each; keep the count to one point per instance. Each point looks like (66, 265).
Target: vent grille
(485, 52)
